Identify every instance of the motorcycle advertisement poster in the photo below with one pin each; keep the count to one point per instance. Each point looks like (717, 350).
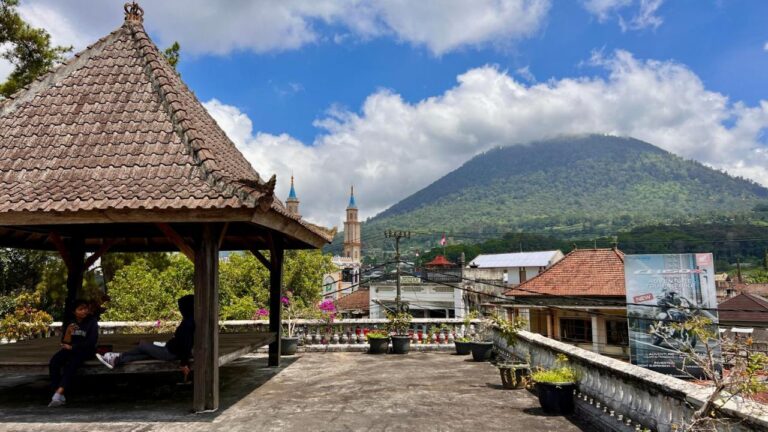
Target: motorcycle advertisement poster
(662, 290)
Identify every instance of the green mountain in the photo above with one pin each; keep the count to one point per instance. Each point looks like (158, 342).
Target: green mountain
(571, 187)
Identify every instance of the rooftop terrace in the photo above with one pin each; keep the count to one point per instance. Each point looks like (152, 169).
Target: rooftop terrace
(309, 392)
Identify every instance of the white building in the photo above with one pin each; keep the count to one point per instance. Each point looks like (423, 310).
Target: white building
(511, 268)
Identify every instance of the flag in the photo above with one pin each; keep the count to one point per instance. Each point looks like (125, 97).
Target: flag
(442, 241)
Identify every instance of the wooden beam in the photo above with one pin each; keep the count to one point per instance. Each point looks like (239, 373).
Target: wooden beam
(259, 256)
(125, 216)
(99, 253)
(76, 251)
(178, 240)
(206, 351)
(223, 234)
(276, 252)
(58, 243)
(289, 227)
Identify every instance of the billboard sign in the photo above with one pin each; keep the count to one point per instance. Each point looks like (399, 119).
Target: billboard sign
(663, 290)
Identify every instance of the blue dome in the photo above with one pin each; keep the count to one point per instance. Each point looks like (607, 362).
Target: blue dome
(292, 193)
(352, 203)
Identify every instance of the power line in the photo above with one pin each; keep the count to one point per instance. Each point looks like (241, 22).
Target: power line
(598, 302)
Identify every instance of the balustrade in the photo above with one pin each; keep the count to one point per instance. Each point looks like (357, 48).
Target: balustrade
(629, 396)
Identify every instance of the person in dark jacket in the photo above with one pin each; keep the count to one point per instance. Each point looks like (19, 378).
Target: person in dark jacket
(179, 347)
(78, 344)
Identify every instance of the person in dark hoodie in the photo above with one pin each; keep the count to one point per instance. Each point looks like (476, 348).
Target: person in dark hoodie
(179, 347)
(78, 344)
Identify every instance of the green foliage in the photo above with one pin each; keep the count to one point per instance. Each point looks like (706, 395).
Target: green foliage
(29, 49)
(243, 286)
(147, 290)
(561, 373)
(509, 328)
(399, 323)
(377, 334)
(173, 54)
(26, 320)
(571, 187)
(111, 262)
(303, 272)
(142, 293)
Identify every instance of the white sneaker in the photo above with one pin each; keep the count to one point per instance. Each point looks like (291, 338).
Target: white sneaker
(108, 359)
(57, 403)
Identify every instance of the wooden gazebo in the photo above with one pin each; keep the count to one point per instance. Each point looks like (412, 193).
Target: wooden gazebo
(112, 152)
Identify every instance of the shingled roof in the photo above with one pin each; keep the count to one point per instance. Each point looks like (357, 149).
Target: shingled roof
(115, 128)
(583, 272)
(744, 308)
(356, 300)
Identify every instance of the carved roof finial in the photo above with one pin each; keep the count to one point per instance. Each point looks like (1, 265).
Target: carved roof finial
(133, 12)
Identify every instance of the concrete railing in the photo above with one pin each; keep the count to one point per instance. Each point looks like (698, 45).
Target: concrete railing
(628, 395)
(312, 332)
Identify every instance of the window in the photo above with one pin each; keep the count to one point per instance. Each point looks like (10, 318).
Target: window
(576, 330)
(617, 332)
(522, 275)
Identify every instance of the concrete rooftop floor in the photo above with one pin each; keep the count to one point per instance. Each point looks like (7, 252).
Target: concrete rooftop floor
(309, 392)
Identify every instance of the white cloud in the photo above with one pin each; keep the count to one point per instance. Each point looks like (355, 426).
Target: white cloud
(604, 8)
(644, 12)
(203, 26)
(765, 47)
(392, 148)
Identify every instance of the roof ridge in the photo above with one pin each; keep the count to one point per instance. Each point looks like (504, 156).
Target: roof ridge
(248, 191)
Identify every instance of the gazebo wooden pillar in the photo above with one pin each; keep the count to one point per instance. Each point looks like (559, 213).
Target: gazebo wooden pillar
(276, 254)
(111, 151)
(206, 352)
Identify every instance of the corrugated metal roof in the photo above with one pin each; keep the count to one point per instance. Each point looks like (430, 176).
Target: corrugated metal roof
(518, 259)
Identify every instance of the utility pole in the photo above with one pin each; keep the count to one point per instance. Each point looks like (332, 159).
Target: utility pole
(397, 235)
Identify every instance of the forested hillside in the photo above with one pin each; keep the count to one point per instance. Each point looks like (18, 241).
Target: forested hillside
(573, 187)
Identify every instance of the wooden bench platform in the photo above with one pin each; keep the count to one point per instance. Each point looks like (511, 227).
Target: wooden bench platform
(31, 357)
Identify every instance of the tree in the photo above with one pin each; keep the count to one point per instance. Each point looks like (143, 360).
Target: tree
(141, 292)
(173, 54)
(743, 377)
(29, 49)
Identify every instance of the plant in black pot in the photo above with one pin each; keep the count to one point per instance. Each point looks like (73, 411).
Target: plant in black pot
(555, 387)
(481, 344)
(514, 373)
(463, 343)
(378, 341)
(399, 323)
(292, 310)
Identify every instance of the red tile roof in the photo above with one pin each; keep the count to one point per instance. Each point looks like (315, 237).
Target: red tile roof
(356, 300)
(583, 272)
(116, 128)
(439, 261)
(744, 308)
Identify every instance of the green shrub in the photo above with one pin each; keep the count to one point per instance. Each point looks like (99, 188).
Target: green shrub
(562, 373)
(377, 334)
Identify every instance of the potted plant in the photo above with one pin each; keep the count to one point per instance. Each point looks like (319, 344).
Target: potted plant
(291, 309)
(463, 343)
(378, 341)
(555, 387)
(515, 373)
(481, 345)
(399, 323)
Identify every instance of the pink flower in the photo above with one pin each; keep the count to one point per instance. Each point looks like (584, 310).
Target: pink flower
(157, 324)
(284, 300)
(262, 313)
(327, 306)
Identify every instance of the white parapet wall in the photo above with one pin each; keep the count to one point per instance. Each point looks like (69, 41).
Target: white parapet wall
(655, 401)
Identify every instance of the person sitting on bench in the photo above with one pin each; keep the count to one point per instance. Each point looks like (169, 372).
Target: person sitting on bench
(179, 347)
(80, 332)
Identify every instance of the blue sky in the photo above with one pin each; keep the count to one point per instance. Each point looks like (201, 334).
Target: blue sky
(392, 94)
(722, 42)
